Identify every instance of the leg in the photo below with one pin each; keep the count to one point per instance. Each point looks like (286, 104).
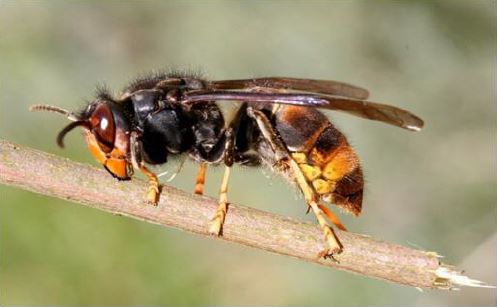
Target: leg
(265, 127)
(154, 186)
(218, 220)
(332, 217)
(334, 245)
(229, 157)
(199, 186)
(282, 156)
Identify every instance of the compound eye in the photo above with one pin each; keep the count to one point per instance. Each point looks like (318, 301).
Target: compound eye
(103, 127)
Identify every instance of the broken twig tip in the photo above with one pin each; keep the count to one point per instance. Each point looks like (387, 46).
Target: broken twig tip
(449, 279)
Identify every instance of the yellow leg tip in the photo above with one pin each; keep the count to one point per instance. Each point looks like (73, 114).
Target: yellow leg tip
(215, 227)
(335, 249)
(153, 196)
(334, 245)
(329, 254)
(199, 191)
(217, 221)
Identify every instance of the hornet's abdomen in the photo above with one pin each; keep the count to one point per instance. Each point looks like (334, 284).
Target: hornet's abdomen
(323, 154)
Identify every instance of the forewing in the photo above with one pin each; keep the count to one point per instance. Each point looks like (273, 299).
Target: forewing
(327, 87)
(365, 109)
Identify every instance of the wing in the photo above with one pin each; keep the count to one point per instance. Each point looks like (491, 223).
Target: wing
(306, 85)
(365, 109)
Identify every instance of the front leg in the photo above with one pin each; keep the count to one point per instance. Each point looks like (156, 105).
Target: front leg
(153, 192)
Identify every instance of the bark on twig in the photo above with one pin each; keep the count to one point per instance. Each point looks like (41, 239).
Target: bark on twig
(47, 174)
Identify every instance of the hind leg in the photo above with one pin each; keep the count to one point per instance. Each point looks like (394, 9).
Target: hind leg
(334, 245)
(285, 161)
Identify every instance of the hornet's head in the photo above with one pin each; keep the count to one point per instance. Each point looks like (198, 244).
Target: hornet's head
(106, 131)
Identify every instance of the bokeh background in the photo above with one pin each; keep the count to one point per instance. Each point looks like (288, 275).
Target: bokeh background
(435, 189)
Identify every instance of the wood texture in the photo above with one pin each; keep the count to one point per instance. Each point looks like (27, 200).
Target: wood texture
(51, 175)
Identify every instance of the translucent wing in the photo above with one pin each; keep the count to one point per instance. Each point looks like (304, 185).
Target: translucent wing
(365, 109)
(284, 83)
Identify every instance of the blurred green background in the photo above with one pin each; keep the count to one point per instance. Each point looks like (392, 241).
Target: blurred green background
(435, 189)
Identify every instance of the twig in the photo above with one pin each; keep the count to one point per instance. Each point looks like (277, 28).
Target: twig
(55, 176)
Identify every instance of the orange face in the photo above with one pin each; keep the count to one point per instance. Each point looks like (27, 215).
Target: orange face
(107, 144)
